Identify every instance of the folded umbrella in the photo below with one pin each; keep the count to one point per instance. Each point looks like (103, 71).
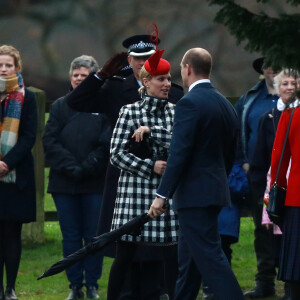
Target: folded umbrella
(98, 243)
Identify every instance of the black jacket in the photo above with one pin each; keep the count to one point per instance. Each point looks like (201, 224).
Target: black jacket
(76, 149)
(263, 150)
(17, 200)
(94, 95)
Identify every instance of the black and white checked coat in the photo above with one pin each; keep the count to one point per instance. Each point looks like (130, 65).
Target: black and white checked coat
(137, 182)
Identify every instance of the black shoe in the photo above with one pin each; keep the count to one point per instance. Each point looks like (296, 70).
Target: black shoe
(259, 292)
(91, 292)
(285, 297)
(10, 294)
(208, 296)
(287, 293)
(76, 293)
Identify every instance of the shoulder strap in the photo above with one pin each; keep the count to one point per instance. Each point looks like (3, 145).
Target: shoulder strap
(285, 141)
(273, 117)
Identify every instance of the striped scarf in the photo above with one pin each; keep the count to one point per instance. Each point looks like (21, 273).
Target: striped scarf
(12, 91)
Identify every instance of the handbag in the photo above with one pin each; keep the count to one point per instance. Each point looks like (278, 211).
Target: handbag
(142, 149)
(277, 193)
(238, 182)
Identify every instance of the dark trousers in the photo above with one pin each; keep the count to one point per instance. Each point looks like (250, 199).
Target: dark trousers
(168, 275)
(201, 256)
(227, 241)
(78, 218)
(263, 244)
(145, 276)
(10, 251)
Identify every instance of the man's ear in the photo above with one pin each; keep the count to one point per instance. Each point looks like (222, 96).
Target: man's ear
(129, 59)
(189, 69)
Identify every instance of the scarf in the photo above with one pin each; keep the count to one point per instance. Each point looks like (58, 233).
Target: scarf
(12, 92)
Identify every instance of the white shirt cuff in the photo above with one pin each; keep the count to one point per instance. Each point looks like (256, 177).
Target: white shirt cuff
(160, 196)
(98, 77)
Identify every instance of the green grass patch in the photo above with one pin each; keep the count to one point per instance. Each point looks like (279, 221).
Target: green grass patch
(36, 259)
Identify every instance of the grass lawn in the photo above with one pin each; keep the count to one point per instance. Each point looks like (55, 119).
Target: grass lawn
(36, 259)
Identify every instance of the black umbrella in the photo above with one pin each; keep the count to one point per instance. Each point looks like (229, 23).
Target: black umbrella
(132, 227)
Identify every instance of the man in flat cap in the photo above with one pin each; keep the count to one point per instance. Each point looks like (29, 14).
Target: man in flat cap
(106, 92)
(251, 107)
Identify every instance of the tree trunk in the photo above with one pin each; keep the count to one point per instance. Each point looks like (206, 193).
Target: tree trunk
(33, 233)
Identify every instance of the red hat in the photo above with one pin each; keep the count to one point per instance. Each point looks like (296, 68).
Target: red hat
(155, 65)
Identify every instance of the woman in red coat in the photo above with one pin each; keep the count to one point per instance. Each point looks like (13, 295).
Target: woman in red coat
(289, 265)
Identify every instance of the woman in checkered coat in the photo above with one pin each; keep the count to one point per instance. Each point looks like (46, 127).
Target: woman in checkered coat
(151, 119)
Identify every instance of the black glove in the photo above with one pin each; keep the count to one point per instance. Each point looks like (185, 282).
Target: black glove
(74, 172)
(113, 65)
(89, 167)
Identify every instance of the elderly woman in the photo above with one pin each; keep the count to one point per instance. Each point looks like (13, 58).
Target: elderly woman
(151, 119)
(18, 118)
(289, 261)
(77, 151)
(263, 151)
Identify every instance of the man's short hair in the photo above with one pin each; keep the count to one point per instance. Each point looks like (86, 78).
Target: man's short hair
(201, 63)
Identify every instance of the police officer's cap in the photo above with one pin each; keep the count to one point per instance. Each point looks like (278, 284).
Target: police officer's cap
(140, 45)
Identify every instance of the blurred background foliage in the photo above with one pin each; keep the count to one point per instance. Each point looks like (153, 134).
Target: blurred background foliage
(50, 33)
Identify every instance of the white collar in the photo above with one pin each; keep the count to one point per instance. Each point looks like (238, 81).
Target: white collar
(197, 82)
(281, 106)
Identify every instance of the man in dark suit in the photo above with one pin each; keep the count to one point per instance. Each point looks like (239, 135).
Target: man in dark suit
(201, 156)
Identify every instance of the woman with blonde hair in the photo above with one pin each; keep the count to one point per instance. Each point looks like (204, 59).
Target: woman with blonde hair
(151, 119)
(18, 120)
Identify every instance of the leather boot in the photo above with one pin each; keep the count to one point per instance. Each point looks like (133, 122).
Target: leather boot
(91, 292)
(287, 293)
(76, 293)
(10, 294)
(260, 292)
(1, 293)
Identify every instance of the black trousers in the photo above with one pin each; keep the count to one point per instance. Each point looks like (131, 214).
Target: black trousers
(263, 245)
(145, 276)
(10, 251)
(168, 277)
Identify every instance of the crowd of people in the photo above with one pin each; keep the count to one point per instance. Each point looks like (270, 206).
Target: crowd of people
(125, 141)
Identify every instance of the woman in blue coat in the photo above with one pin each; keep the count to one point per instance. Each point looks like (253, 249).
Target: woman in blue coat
(18, 127)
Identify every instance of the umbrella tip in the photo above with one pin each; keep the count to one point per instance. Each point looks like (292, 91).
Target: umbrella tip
(42, 276)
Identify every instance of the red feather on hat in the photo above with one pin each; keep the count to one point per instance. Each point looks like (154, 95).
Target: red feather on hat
(154, 59)
(155, 65)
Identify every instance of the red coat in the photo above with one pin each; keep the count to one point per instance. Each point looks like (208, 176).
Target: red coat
(292, 151)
